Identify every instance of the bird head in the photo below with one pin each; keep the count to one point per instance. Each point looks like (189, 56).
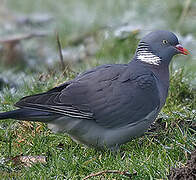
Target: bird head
(159, 47)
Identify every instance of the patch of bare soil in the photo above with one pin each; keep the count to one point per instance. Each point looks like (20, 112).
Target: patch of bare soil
(187, 172)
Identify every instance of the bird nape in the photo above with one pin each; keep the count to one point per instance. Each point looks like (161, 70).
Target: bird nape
(110, 104)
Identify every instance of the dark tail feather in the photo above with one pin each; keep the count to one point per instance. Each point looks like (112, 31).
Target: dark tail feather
(28, 115)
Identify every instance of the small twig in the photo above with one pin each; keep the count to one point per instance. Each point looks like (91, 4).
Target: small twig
(124, 173)
(60, 52)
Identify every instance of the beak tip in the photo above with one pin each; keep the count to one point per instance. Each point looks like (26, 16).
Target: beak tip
(182, 50)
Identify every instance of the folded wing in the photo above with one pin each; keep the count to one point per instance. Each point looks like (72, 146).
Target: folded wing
(109, 95)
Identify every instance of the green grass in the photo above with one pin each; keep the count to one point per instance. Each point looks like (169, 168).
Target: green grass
(151, 156)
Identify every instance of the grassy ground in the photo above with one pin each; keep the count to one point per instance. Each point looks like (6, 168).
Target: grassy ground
(167, 144)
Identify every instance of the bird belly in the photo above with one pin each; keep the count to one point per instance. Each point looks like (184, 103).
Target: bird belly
(90, 133)
(82, 131)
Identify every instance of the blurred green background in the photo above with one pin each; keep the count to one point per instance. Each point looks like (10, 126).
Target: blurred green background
(108, 30)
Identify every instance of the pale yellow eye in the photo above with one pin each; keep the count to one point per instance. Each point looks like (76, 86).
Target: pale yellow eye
(165, 41)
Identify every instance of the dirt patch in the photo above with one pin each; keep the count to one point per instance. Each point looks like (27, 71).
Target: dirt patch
(157, 126)
(187, 172)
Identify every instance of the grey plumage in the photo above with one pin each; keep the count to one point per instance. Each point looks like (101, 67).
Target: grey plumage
(110, 104)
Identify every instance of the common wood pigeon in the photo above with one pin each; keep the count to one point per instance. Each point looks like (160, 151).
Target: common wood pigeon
(110, 104)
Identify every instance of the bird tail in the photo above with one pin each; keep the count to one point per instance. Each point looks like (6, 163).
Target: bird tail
(28, 115)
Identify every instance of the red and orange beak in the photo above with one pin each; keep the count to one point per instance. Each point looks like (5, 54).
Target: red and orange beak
(181, 50)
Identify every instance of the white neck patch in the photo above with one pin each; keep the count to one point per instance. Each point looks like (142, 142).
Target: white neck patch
(145, 55)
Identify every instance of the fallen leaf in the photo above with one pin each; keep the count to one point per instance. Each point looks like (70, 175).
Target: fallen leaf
(28, 160)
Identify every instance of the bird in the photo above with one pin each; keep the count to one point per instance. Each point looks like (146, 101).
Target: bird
(110, 104)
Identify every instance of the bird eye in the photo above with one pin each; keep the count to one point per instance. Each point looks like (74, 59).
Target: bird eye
(165, 41)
